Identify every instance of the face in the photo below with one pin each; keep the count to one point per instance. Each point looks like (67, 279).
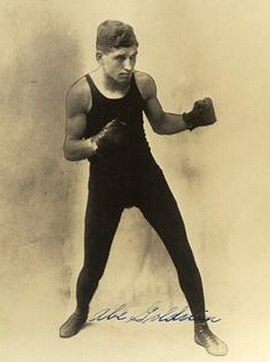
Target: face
(119, 63)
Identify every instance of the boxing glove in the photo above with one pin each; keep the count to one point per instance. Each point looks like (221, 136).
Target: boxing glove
(112, 137)
(202, 114)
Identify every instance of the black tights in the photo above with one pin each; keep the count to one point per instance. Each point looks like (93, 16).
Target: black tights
(150, 193)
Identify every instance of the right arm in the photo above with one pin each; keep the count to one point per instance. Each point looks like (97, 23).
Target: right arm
(78, 103)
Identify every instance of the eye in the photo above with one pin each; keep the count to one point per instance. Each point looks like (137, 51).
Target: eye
(121, 58)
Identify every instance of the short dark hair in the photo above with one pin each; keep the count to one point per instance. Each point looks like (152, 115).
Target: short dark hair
(114, 34)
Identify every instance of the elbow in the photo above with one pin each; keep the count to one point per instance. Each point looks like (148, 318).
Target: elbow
(159, 125)
(69, 157)
(159, 128)
(67, 153)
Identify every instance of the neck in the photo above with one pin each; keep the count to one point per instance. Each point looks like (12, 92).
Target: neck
(111, 85)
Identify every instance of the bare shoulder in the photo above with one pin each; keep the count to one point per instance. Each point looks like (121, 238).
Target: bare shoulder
(145, 84)
(79, 99)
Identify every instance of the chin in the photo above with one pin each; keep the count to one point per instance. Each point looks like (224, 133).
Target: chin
(124, 79)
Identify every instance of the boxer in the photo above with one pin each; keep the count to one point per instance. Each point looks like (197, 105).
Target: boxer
(105, 126)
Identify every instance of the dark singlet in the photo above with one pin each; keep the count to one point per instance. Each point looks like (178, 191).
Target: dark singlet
(129, 108)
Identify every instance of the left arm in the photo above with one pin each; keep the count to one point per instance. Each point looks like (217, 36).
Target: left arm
(202, 114)
(161, 122)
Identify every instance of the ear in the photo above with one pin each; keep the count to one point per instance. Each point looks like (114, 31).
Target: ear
(99, 55)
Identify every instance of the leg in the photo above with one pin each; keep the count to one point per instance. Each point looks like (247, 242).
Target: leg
(101, 221)
(160, 209)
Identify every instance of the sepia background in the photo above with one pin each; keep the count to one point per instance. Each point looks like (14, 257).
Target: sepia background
(220, 177)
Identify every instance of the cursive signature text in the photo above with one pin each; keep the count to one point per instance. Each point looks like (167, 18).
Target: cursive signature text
(153, 313)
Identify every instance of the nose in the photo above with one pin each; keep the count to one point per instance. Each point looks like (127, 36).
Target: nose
(128, 65)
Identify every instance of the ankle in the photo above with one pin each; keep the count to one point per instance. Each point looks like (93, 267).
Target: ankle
(200, 324)
(82, 310)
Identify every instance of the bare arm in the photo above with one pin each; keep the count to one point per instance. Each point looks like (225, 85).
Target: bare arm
(78, 101)
(161, 122)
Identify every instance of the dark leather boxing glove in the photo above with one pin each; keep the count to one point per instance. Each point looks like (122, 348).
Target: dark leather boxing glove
(202, 114)
(112, 137)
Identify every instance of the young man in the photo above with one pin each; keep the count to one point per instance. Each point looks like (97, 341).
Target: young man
(105, 125)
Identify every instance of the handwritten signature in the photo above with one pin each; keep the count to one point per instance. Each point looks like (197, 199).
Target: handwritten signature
(151, 314)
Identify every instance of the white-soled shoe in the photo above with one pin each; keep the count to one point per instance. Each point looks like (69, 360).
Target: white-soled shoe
(205, 338)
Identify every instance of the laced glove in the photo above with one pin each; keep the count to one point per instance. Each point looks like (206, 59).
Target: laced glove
(202, 114)
(113, 137)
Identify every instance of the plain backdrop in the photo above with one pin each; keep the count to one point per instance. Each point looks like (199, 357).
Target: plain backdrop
(219, 175)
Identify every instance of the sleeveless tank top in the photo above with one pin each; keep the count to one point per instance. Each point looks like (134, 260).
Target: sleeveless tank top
(129, 109)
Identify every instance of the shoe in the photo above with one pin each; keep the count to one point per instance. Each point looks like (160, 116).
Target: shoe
(205, 338)
(73, 324)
